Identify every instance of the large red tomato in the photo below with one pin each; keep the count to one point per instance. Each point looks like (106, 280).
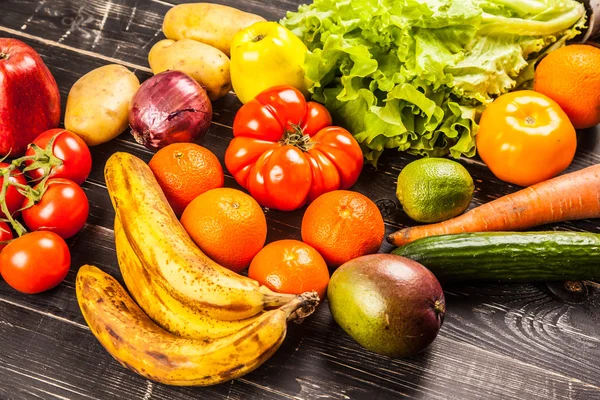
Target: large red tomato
(286, 154)
(35, 262)
(67, 147)
(63, 209)
(14, 199)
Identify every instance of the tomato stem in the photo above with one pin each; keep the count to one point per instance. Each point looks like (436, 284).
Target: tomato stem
(43, 159)
(4, 56)
(297, 138)
(19, 229)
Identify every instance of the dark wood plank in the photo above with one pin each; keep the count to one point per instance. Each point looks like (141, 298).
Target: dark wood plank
(60, 361)
(120, 29)
(61, 358)
(476, 315)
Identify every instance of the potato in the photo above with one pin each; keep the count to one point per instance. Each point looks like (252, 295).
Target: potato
(208, 23)
(98, 103)
(205, 64)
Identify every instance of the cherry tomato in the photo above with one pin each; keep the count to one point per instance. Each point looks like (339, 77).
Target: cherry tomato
(71, 149)
(35, 262)
(525, 138)
(63, 209)
(14, 199)
(5, 235)
(286, 154)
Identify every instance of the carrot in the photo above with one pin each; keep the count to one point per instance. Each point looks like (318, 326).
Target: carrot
(564, 198)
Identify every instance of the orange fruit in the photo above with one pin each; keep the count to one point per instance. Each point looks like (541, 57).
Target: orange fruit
(570, 77)
(290, 266)
(342, 225)
(228, 225)
(184, 171)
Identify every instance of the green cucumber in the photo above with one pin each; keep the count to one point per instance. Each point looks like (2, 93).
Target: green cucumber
(508, 256)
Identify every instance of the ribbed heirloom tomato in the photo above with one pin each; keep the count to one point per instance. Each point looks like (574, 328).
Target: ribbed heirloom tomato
(286, 154)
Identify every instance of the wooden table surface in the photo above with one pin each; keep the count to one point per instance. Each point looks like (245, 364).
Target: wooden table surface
(498, 341)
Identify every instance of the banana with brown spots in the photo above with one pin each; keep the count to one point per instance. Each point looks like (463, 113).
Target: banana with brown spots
(166, 310)
(175, 263)
(142, 346)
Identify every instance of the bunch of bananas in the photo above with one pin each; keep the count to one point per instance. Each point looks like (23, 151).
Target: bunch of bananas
(195, 322)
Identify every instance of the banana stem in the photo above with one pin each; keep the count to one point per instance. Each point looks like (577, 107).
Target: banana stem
(306, 304)
(274, 300)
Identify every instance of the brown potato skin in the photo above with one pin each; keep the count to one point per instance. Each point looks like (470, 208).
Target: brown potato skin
(212, 24)
(98, 103)
(205, 64)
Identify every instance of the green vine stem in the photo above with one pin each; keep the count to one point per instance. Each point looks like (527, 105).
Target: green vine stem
(43, 159)
(16, 225)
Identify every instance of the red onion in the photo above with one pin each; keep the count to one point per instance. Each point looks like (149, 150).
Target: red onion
(169, 108)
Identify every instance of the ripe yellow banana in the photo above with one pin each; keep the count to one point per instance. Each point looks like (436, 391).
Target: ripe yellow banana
(169, 254)
(162, 307)
(142, 346)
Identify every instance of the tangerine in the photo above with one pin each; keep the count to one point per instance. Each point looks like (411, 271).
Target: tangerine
(228, 225)
(184, 171)
(342, 225)
(290, 266)
(570, 77)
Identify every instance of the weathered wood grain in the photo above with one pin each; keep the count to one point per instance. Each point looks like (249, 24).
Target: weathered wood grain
(498, 341)
(59, 361)
(62, 358)
(117, 29)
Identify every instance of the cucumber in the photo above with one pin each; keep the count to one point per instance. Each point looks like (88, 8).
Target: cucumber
(508, 256)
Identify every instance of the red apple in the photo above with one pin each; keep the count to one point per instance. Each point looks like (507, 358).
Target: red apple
(29, 97)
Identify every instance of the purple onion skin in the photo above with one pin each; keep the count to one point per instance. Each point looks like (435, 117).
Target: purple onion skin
(169, 108)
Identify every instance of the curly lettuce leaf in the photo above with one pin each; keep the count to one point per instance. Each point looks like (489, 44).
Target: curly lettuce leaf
(415, 74)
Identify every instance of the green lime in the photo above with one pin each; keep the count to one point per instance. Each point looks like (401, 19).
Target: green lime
(434, 189)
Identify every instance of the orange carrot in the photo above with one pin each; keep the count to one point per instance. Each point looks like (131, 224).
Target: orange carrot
(564, 198)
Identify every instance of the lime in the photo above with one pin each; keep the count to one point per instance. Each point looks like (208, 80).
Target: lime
(434, 189)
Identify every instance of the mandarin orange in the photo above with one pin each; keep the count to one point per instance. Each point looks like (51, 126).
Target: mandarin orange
(570, 76)
(228, 225)
(184, 171)
(342, 225)
(290, 266)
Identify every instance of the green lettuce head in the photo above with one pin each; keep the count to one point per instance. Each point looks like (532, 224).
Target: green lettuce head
(415, 74)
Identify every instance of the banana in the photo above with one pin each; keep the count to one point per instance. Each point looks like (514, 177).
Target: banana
(165, 310)
(142, 346)
(170, 255)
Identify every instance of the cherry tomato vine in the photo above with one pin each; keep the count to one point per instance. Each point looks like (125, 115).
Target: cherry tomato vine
(41, 159)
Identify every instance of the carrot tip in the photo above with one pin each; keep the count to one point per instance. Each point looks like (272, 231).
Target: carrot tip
(390, 238)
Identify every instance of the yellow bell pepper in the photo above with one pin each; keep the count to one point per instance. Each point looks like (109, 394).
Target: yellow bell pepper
(265, 55)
